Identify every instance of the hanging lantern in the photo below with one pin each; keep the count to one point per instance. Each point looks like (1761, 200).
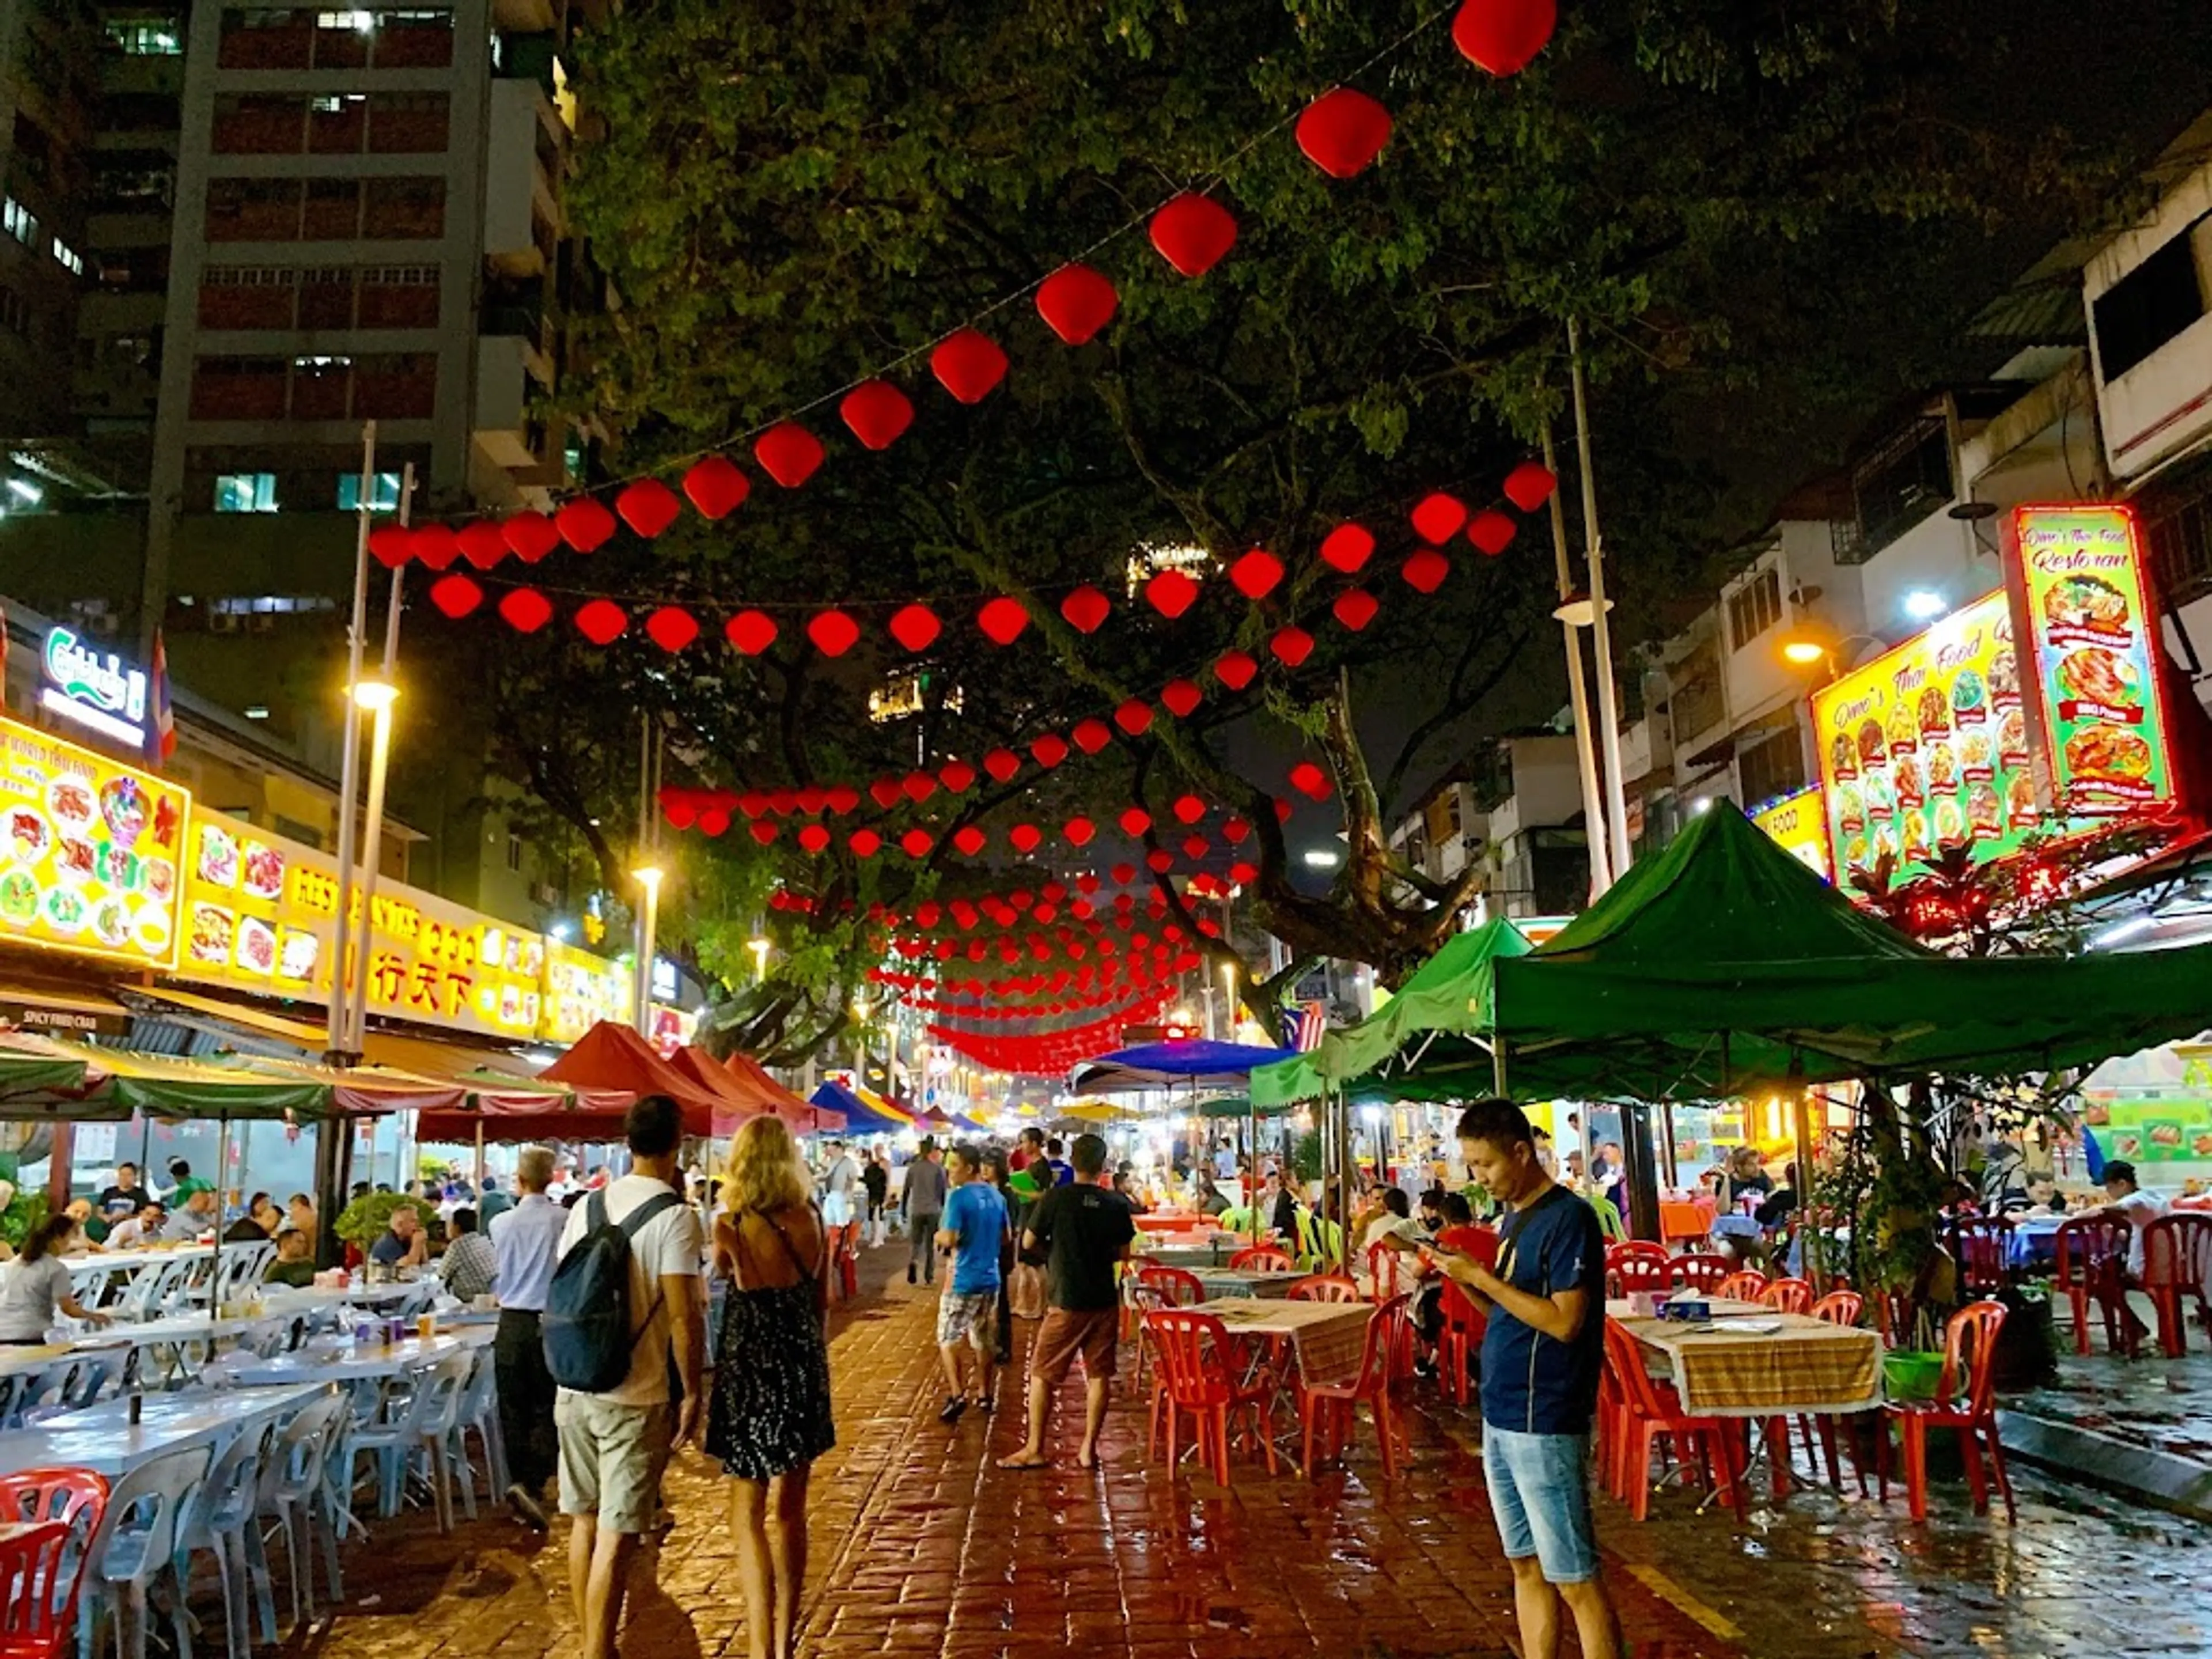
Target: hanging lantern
(1002, 765)
(392, 545)
(1160, 859)
(1235, 670)
(956, 776)
(886, 792)
(1171, 593)
(456, 595)
(680, 811)
(1243, 874)
(915, 627)
(585, 524)
(1195, 847)
(647, 507)
(1078, 831)
(1193, 232)
(865, 843)
(788, 453)
(1090, 736)
(970, 841)
(1491, 530)
(842, 799)
(1346, 547)
(602, 621)
(1233, 831)
(436, 546)
(1048, 751)
(1355, 608)
(1309, 781)
(526, 609)
(1426, 569)
(1503, 36)
(1291, 645)
(483, 543)
(716, 486)
(1438, 517)
(968, 364)
(877, 412)
(1190, 809)
(672, 628)
(1076, 302)
(813, 838)
(762, 831)
(530, 536)
(833, 632)
(919, 786)
(813, 798)
(1180, 697)
(1134, 716)
(1135, 821)
(1342, 131)
(1024, 837)
(916, 843)
(1086, 609)
(1003, 619)
(1529, 485)
(1282, 809)
(1255, 574)
(751, 631)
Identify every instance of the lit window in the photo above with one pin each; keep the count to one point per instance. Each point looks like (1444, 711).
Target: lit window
(384, 496)
(140, 38)
(70, 259)
(363, 21)
(19, 222)
(246, 492)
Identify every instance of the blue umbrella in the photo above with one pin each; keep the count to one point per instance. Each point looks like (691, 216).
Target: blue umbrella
(1151, 1065)
(2092, 1154)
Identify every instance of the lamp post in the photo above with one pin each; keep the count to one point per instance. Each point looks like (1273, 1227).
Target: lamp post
(648, 879)
(759, 947)
(377, 697)
(1807, 649)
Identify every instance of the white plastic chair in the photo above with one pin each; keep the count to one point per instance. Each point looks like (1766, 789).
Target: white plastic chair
(220, 1520)
(135, 1546)
(153, 1287)
(294, 1487)
(479, 1414)
(425, 1425)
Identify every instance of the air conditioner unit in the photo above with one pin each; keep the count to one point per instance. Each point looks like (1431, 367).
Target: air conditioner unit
(262, 621)
(222, 621)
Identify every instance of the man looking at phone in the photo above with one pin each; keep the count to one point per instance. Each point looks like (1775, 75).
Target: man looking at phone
(1540, 1358)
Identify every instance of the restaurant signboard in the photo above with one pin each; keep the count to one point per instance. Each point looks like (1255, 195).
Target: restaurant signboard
(102, 693)
(580, 990)
(1799, 824)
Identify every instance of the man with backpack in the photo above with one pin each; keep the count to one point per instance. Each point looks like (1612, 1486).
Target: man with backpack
(624, 1300)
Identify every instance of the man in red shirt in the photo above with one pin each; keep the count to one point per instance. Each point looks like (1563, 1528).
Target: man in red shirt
(1028, 1148)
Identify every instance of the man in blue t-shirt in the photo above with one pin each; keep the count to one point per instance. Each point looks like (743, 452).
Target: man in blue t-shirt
(1540, 1358)
(971, 1232)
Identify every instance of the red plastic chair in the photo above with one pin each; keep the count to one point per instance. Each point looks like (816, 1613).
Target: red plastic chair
(1643, 1417)
(1325, 1287)
(1175, 1287)
(1197, 1364)
(1327, 1407)
(41, 1572)
(1790, 1296)
(1383, 1264)
(1637, 1266)
(1969, 1354)
(1476, 1242)
(1702, 1273)
(2177, 1264)
(1261, 1258)
(2091, 1265)
(1461, 1339)
(1895, 1313)
(1838, 1307)
(1746, 1286)
(1982, 1246)
(54, 1494)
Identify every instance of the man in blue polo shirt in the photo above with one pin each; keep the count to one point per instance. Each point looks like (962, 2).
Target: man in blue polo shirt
(1540, 1358)
(973, 1226)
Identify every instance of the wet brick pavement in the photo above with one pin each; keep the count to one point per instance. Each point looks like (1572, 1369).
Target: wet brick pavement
(921, 1547)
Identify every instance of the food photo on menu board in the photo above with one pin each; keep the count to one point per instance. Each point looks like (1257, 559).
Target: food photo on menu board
(88, 852)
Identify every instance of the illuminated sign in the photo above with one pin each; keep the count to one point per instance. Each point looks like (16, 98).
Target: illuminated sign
(2089, 618)
(88, 852)
(1799, 824)
(580, 990)
(96, 692)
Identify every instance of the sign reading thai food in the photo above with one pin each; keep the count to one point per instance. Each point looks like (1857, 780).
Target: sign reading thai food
(2093, 632)
(88, 852)
(1799, 824)
(1926, 747)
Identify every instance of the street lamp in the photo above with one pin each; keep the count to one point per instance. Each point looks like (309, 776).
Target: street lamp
(1229, 1001)
(377, 697)
(648, 878)
(1809, 648)
(759, 947)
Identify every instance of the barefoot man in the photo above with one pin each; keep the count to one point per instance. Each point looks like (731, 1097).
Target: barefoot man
(1081, 1231)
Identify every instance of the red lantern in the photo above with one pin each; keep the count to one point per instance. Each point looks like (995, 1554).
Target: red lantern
(1346, 547)
(842, 799)
(813, 838)
(584, 524)
(970, 841)
(915, 627)
(833, 632)
(1282, 810)
(1491, 530)
(392, 544)
(1439, 516)
(919, 786)
(877, 412)
(865, 843)
(1194, 848)
(1086, 609)
(483, 543)
(1291, 645)
(1309, 781)
(647, 507)
(788, 453)
(1090, 736)
(1078, 831)
(530, 535)
(456, 595)
(1024, 837)
(1233, 831)
(762, 831)
(1171, 593)
(602, 621)
(1181, 697)
(1076, 302)
(1193, 232)
(1342, 131)
(751, 631)
(1002, 765)
(716, 487)
(680, 812)
(1355, 608)
(1255, 574)
(1135, 821)
(1003, 619)
(1243, 874)
(813, 798)
(916, 843)
(969, 365)
(1426, 571)
(1503, 36)
(436, 546)
(1190, 809)
(672, 628)
(1133, 716)
(886, 792)
(526, 610)
(1161, 860)
(1529, 485)
(956, 776)
(1048, 751)
(1235, 670)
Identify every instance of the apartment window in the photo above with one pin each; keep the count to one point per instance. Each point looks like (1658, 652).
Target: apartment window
(319, 386)
(383, 495)
(1774, 766)
(14, 315)
(410, 210)
(337, 124)
(360, 21)
(246, 296)
(407, 123)
(258, 123)
(67, 258)
(401, 387)
(2156, 301)
(256, 209)
(271, 604)
(19, 222)
(244, 492)
(399, 296)
(238, 389)
(1754, 607)
(140, 37)
(513, 852)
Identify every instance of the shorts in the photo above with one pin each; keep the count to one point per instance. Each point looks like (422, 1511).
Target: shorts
(612, 1456)
(971, 1314)
(1540, 1498)
(1092, 1332)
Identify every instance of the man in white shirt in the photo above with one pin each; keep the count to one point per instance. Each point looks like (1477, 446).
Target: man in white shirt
(196, 1221)
(138, 1231)
(525, 1243)
(838, 1187)
(614, 1444)
(2132, 1204)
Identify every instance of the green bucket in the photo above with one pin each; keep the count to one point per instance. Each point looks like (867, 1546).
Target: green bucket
(1906, 1375)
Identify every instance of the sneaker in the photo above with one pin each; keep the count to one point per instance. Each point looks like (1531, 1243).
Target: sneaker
(985, 1404)
(528, 1509)
(953, 1407)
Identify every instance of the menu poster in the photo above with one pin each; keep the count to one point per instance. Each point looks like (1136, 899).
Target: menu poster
(88, 852)
(2177, 1131)
(580, 990)
(1799, 824)
(1926, 748)
(2093, 631)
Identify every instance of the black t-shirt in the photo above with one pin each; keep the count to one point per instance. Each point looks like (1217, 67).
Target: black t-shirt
(139, 1197)
(1531, 1382)
(1084, 1230)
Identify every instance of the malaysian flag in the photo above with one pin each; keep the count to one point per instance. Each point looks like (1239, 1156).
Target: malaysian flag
(161, 736)
(1303, 1024)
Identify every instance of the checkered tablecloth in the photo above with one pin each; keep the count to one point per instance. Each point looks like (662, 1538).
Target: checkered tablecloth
(1328, 1338)
(1804, 1366)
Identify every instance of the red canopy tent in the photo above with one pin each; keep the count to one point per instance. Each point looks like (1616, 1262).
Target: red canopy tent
(591, 1088)
(753, 1081)
(736, 1101)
